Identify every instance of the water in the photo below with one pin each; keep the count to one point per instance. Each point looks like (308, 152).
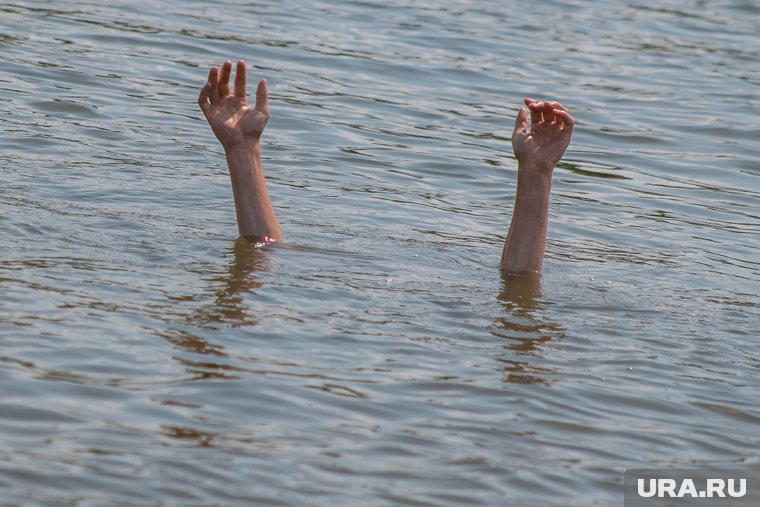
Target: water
(377, 357)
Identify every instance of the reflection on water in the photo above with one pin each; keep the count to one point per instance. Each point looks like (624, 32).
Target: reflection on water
(247, 261)
(524, 327)
(228, 308)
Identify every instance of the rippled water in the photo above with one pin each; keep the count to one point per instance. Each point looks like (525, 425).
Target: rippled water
(377, 357)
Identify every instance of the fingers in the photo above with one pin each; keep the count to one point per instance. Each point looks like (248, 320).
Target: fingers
(542, 112)
(521, 122)
(209, 94)
(224, 79)
(240, 72)
(262, 98)
(549, 112)
(568, 122)
(557, 105)
(536, 111)
(563, 118)
(203, 98)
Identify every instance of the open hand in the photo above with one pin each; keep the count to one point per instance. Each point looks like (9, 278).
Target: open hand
(550, 131)
(230, 117)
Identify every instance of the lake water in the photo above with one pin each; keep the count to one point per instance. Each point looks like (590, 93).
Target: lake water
(377, 357)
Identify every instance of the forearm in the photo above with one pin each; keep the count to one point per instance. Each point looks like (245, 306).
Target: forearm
(526, 238)
(255, 215)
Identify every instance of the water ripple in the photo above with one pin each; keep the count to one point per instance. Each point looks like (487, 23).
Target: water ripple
(376, 357)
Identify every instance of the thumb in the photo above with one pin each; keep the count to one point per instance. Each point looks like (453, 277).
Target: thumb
(262, 98)
(521, 122)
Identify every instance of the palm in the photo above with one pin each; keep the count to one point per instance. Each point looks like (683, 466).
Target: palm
(549, 136)
(543, 142)
(233, 121)
(230, 117)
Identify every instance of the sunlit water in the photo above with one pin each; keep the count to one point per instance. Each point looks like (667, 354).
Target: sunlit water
(376, 357)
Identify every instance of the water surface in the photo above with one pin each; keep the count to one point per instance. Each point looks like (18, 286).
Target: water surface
(376, 357)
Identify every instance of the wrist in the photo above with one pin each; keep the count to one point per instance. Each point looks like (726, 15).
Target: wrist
(534, 178)
(244, 158)
(246, 145)
(535, 166)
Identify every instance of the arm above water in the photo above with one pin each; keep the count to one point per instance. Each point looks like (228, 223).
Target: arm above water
(537, 152)
(239, 129)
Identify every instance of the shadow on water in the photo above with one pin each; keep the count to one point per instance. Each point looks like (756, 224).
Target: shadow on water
(523, 328)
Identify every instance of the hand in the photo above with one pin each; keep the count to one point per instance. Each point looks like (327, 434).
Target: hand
(230, 117)
(550, 132)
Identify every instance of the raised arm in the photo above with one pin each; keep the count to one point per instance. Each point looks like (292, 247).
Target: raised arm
(239, 129)
(537, 152)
